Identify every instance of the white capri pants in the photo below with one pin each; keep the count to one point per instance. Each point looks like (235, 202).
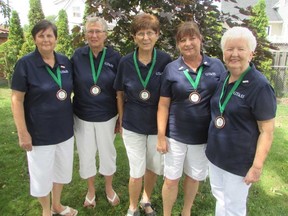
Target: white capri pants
(142, 153)
(190, 158)
(50, 164)
(90, 138)
(230, 191)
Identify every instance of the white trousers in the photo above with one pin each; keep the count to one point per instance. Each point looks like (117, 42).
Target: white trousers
(142, 153)
(230, 191)
(50, 164)
(93, 137)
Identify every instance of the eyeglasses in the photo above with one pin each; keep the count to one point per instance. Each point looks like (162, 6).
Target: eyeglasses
(91, 32)
(142, 34)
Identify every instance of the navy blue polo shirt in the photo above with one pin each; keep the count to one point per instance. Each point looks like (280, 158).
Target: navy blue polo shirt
(233, 147)
(48, 119)
(188, 122)
(140, 116)
(86, 106)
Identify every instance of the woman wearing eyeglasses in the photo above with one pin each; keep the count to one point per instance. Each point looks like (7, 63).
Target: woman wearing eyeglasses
(138, 78)
(95, 108)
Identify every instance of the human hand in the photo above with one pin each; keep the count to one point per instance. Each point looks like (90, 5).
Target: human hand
(25, 141)
(253, 175)
(162, 146)
(117, 128)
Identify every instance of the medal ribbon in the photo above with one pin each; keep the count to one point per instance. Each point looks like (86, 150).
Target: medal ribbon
(57, 78)
(144, 82)
(94, 74)
(194, 84)
(235, 86)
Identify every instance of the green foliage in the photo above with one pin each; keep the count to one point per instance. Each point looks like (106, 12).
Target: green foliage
(35, 13)
(259, 23)
(10, 49)
(51, 18)
(34, 16)
(170, 13)
(64, 44)
(5, 11)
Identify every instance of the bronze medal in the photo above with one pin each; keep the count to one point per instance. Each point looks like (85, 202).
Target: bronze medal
(144, 95)
(61, 94)
(95, 90)
(194, 97)
(219, 122)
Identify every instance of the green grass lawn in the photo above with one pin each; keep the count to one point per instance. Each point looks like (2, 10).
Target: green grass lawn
(267, 197)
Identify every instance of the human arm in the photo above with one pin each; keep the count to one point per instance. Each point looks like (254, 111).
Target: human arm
(264, 143)
(162, 119)
(17, 101)
(120, 107)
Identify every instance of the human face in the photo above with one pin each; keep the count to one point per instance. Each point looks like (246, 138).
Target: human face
(189, 46)
(237, 55)
(95, 35)
(45, 41)
(145, 39)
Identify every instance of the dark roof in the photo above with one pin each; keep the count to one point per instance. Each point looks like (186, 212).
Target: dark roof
(271, 8)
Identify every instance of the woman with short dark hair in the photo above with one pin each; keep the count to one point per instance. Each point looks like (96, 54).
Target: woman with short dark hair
(42, 110)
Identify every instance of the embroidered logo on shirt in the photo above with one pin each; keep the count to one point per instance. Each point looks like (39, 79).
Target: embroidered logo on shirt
(64, 71)
(108, 64)
(210, 74)
(237, 94)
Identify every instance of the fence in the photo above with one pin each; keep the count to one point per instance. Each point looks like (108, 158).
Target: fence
(280, 78)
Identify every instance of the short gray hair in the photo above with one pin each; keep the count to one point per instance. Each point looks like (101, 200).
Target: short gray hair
(239, 32)
(95, 19)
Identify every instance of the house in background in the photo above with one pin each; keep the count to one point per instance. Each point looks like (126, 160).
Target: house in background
(276, 11)
(277, 32)
(74, 9)
(3, 34)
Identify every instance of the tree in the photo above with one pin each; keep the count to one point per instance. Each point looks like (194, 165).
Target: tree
(5, 11)
(34, 16)
(170, 13)
(10, 49)
(64, 45)
(258, 23)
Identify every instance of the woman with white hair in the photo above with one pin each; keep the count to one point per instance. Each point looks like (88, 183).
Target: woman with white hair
(241, 130)
(95, 109)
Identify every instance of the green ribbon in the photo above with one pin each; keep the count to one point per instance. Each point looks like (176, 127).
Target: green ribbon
(94, 74)
(193, 83)
(144, 82)
(235, 86)
(57, 78)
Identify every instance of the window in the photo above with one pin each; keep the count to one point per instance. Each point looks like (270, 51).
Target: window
(76, 12)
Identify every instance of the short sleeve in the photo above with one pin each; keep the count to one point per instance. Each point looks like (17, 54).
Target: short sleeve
(264, 106)
(19, 78)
